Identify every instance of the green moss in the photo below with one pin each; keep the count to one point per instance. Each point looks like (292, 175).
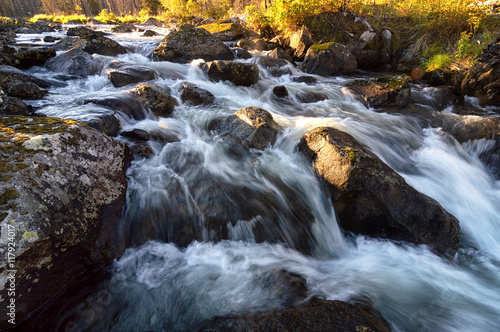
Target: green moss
(351, 153)
(321, 47)
(3, 215)
(9, 195)
(393, 82)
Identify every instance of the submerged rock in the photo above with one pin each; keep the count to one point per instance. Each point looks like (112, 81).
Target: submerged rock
(190, 43)
(317, 315)
(239, 73)
(383, 91)
(106, 123)
(370, 198)
(137, 134)
(122, 102)
(252, 127)
(62, 190)
(329, 59)
(155, 98)
(280, 91)
(310, 96)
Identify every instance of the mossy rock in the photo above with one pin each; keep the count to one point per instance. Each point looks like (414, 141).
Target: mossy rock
(62, 188)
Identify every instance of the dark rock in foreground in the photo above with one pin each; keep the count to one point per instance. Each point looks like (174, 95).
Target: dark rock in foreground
(60, 197)
(9, 73)
(370, 198)
(252, 127)
(190, 43)
(25, 57)
(317, 315)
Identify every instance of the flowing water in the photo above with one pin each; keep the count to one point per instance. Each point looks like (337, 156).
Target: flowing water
(221, 196)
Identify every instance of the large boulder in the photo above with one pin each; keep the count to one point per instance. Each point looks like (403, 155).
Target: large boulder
(190, 43)
(253, 44)
(75, 62)
(239, 73)
(370, 198)
(194, 95)
(300, 41)
(67, 43)
(124, 28)
(63, 187)
(121, 74)
(155, 98)
(105, 123)
(383, 91)
(24, 57)
(329, 59)
(317, 315)
(15, 106)
(251, 127)
(483, 79)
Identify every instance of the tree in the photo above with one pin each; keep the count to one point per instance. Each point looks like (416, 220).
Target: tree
(153, 6)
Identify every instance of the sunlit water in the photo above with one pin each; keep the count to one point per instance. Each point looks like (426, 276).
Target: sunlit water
(161, 287)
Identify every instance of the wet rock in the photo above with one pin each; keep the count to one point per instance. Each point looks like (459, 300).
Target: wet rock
(124, 28)
(62, 194)
(191, 43)
(329, 59)
(140, 149)
(155, 98)
(15, 106)
(81, 31)
(277, 67)
(75, 62)
(251, 127)
(305, 79)
(149, 33)
(370, 198)
(240, 53)
(317, 315)
(68, 43)
(25, 90)
(106, 123)
(26, 57)
(6, 38)
(194, 95)
(102, 45)
(483, 79)
(9, 74)
(26, 31)
(279, 53)
(121, 74)
(164, 136)
(300, 41)
(137, 134)
(280, 91)
(383, 91)
(122, 102)
(48, 39)
(239, 73)
(309, 96)
(253, 44)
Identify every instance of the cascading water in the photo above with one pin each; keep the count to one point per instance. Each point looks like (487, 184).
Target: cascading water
(198, 189)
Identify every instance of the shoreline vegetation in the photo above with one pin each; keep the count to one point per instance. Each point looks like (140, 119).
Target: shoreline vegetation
(443, 34)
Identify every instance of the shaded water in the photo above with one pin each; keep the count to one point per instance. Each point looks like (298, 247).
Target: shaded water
(198, 189)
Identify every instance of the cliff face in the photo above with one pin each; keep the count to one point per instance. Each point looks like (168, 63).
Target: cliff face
(28, 8)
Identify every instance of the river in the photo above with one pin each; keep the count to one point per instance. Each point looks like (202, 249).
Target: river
(158, 286)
